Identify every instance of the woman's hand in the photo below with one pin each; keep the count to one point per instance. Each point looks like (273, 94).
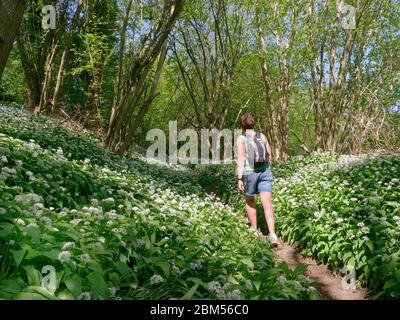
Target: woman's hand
(241, 185)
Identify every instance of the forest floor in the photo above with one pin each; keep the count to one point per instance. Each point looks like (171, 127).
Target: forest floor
(326, 282)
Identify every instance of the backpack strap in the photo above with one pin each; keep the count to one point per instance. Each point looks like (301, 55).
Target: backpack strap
(261, 136)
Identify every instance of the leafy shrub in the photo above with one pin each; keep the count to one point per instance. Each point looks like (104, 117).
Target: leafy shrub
(120, 228)
(341, 210)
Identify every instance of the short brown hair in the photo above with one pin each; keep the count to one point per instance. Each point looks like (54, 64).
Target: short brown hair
(247, 121)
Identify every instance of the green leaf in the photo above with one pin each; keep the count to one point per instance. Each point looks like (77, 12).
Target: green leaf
(248, 262)
(191, 292)
(284, 267)
(158, 262)
(391, 284)
(18, 256)
(50, 254)
(164, 266)
(347, 255)
(198, 281)
(34, 233)
(301, 268)
(351, 262)
(98, 285)
(123, 269)
(65, 295)
(33, 275)
(8, 288)
(6, 229)
(29, 296)
(393, 204)
(35, 293)
(95, 266)
(74, 284)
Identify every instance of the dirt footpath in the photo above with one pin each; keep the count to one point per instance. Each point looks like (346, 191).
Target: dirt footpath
(328, 284)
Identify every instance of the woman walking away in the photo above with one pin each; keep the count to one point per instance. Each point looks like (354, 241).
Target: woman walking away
(254, 164)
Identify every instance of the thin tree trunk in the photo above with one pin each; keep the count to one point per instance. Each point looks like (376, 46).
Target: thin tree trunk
(11, 12)
(147, 104)
(151, 47)
(46, 83)
(65, 57)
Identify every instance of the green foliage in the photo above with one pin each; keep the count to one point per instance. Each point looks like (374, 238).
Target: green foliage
(344, 211)
(12, 83)
(120, 228)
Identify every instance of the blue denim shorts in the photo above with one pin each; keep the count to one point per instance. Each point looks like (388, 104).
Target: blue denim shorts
(258, 181)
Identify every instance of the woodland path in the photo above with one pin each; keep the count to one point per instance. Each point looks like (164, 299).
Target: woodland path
(325, 281)
(328, 284)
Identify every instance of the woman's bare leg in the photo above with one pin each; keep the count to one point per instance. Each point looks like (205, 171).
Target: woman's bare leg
(266, 200)
(251, 211)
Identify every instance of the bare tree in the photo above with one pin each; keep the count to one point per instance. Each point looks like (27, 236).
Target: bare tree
(133, 75)
(208, 46)
(277, 67)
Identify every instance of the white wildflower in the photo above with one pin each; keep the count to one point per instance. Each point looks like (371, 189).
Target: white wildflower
(32, 225)
(109, 200)
(99, 246)
(364, 229)
(75, 222)
(85, 257)
(249, 285)
(234, 295)
(68, 245)
(84, 296)
(214, 286)
(113, 291)
(20, 222)
(339, 220)
(46, 220)
(156, 279)
(282, 279)
(64, 256)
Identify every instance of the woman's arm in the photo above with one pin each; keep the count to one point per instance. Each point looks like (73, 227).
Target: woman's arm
(241, 154)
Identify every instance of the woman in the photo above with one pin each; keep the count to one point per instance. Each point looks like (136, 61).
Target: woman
(254, 164)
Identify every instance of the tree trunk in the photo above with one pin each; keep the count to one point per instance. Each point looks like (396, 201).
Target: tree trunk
(47, 78)
(122, 111)
(148, 102)
(65, 58)
(11, 12)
